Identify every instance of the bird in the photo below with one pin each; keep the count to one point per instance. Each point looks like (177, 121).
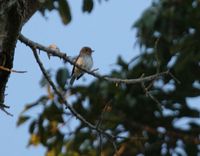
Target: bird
(85, 61)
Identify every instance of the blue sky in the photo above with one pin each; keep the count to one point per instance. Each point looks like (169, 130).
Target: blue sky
(107, 30)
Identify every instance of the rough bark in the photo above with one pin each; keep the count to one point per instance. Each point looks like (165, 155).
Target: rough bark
(13, 15)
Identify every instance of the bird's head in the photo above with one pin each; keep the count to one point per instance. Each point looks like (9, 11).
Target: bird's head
(86, 51)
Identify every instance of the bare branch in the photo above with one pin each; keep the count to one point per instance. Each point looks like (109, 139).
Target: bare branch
(98, 125)
(102, 114)
(156, 54)
(5, 111)
(110, 137)
(11, 70)
(3, 107)
(179, 82)
(57, 53)
(148, 94)
(171, 133)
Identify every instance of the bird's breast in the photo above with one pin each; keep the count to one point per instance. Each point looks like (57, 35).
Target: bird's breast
(85, 62)
(88, 62)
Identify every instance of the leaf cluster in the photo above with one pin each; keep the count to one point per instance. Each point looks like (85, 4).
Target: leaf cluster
(63, 8)
(168, 34)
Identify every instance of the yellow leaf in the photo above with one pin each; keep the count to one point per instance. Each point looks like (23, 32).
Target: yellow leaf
(121, 150)
(108, 109)
(50, 94)
(35, 139)
(54, 126)
(51, 153)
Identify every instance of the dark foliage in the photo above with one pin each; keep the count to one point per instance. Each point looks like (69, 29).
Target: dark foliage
(169, 35)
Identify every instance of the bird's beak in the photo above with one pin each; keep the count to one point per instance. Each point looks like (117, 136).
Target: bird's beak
(92, 51)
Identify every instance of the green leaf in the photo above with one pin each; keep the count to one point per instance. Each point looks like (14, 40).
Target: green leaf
(22, 119)
(64, 11)
(122, 63)
(46, 5)
(87, 6)
(149, 18)
(53, 113)
(32, 126)
(62, 76)
(41, 101)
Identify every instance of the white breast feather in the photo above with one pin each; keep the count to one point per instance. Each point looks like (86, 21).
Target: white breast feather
(88, 63)
(85, 62)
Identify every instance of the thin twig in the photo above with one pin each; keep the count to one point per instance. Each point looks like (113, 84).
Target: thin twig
(179, 82)
(102, 114)
(148, 94)
(3, 107)
(94, 70)
(98, 125)
(133, 59)
(115, 147)
(156, 55)
(5, 111)
(172, 134)
(11, 70)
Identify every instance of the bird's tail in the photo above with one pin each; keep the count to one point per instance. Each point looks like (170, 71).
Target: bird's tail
(72, 80)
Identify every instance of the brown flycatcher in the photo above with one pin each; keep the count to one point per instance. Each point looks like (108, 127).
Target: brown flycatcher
(84, 60)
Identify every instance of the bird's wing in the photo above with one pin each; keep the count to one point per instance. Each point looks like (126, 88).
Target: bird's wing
(74, 65)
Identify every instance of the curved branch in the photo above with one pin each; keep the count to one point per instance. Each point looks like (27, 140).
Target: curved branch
(68, 106)
(57, 53)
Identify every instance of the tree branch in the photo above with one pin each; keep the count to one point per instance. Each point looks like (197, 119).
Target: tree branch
(172, 134)
(110, 137)
(57, 53)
